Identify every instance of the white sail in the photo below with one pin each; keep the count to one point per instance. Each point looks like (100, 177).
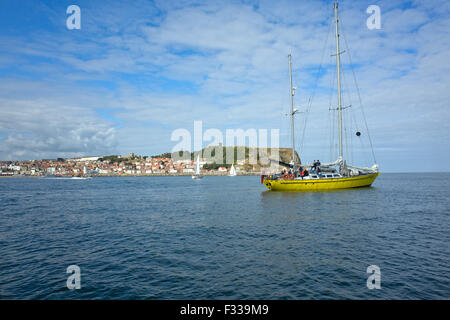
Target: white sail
(197, 174)
(232, 172)
(197, 165)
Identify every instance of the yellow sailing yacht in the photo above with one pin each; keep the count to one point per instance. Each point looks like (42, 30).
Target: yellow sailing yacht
(329, 176)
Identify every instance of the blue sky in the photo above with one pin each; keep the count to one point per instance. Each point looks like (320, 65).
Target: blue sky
(138, 70)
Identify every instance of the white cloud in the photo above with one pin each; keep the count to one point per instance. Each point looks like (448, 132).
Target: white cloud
(50, 125)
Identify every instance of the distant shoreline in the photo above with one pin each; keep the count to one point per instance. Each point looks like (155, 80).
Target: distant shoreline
(140, 175)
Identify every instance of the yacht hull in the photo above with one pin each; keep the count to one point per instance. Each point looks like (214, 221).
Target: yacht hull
(321, 184)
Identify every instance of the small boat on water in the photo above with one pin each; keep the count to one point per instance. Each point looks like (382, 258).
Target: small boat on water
(197, 174)
(329, 176)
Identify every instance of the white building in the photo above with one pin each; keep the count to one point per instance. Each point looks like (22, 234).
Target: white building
(51, 170)
(13, 167)
(88, 159)
(186, 161)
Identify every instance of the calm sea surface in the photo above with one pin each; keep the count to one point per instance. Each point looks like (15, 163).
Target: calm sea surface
(223, 238)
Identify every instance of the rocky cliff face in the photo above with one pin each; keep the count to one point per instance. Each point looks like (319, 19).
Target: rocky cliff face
(285, 154)
(246, 156)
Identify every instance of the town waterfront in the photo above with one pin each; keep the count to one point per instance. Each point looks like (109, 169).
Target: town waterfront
(223, 238)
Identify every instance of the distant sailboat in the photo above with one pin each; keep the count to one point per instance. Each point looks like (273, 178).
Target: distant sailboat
(232, 172)
(197, 174)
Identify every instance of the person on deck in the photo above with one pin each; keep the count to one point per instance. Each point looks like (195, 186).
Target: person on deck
(298, 172)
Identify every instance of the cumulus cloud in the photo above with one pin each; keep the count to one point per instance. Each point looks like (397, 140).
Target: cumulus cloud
(38, 127)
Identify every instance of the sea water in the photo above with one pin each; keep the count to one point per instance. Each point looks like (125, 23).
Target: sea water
(223, 238)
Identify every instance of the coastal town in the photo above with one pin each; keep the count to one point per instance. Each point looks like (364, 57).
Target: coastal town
(127, 165)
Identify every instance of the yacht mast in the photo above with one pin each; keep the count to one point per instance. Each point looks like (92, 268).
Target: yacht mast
(338, 81)
(292, 92)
